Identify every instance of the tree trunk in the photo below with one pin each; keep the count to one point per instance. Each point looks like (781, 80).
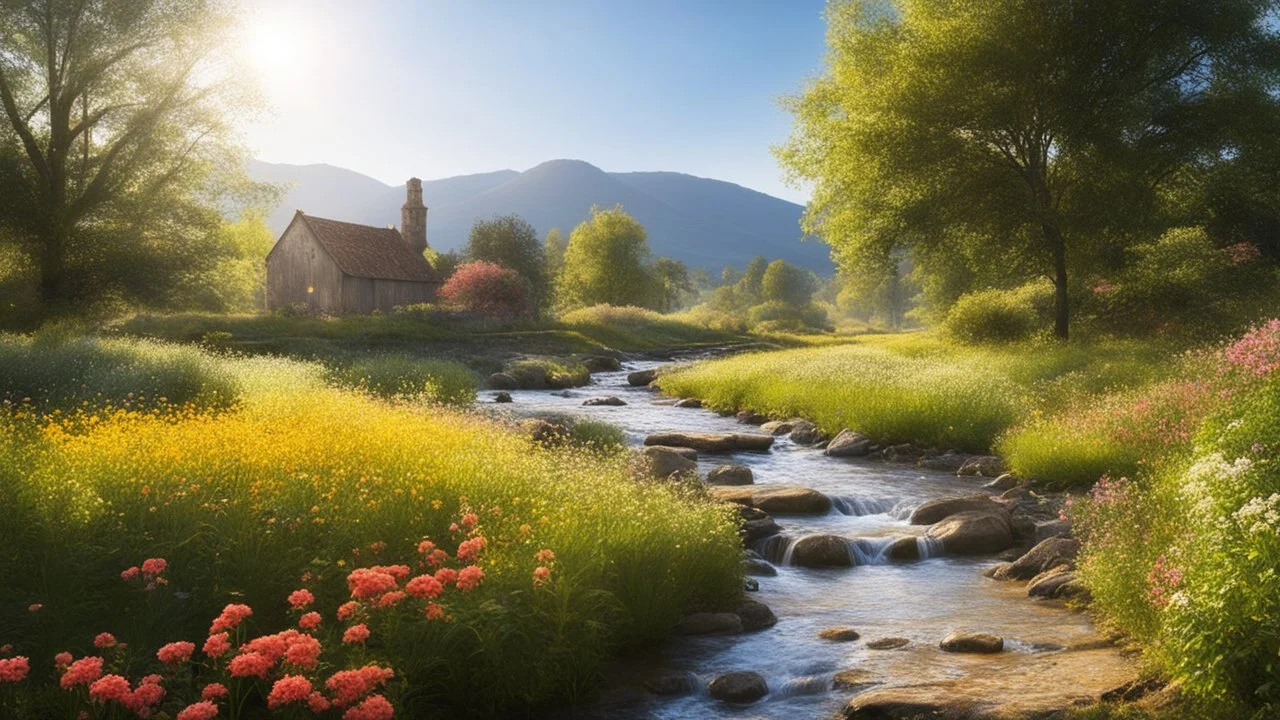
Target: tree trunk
(52, 266)
(1061, 302)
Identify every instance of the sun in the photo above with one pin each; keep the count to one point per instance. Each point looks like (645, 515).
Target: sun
(276, 46)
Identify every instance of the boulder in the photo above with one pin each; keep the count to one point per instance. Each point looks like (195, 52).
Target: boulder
(730, 475)
(804, 432)
(712, 442)
(755, 616)
(759, 567)
(601, 363)
(839, 634)
(502, 381)
(1015, 493)
(663, 462)
(905, 452)
(750, 585)
(1055, 583)
(688, 403)
(892, 704)
(962, 642)
(904, 548)
(776, 499)
(738, 687)
(982, 465)
(747, 417)
(611, 400)
(975, 532)
(686, 453)
(935, 510)
(888, 643)
(946, 462)
(1024, 528)
(502, 397)
(671, 683)
(778, 427)
(1048, 554)
(640, 378)
(849, 444)
(758, 529)
(853, 679)
(817, 551)
(723, 623)
(1007, 481)
(1052, 528)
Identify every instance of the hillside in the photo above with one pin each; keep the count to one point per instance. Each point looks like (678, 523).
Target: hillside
(706, 223)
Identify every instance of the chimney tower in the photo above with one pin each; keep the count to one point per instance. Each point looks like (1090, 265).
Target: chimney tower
(413, 217)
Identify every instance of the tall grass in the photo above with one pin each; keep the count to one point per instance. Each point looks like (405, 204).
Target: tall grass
(401, 375)
(298, 477)
(636, 328)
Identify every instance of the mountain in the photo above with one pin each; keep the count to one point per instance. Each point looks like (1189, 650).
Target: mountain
(706, 223)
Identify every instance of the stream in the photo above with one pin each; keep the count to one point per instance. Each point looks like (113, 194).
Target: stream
(921, 601)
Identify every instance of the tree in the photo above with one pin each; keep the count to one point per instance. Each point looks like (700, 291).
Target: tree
(444, 263)
(751, 284)
(1026, 137)
(606, 261)
(511, 242)
(674, 285)
(786, 283)
(488, 289)
(553, 246)
(116, 155)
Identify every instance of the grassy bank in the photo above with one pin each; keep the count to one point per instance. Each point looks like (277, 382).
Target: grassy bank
(292, 483)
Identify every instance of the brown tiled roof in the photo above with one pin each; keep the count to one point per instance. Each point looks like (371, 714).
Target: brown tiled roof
(369, 252)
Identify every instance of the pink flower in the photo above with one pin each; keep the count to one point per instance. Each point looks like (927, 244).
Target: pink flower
(299, 599)
(14, 669)
(469, 520)
(176, 652)
(231, 616)
(317, 703)
(34, 607)
(425, 547)
(437, 557)
(130, 574)
(213, 691)
(217, 645)
(469, 578)
(446, 576)
(348, 686)
(348, 609)
(111, 687)
(203, 710)
(434, 611)
(104, 640)
(390, 599)
(152, 679)
(424, 586)
(309, 621)
(289, 689)
(61, 660)
(147, 695)
(250, 665)
(541, 575)
(303, 652)
(375, 707)
(544, 556)
(356, 634)
(1243, 252)
(154, 566)
(366, 583)
(81, 672)
(469, 549)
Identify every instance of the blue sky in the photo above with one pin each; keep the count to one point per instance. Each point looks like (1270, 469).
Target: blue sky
(393, 88)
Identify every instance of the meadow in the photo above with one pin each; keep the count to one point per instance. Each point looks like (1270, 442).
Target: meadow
(362, 547)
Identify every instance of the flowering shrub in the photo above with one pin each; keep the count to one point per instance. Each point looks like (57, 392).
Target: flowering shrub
(487, 289)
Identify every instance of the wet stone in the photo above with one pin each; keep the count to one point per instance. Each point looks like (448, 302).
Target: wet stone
(888, 643)
(738, 687)
(962, 642)
(839, 634)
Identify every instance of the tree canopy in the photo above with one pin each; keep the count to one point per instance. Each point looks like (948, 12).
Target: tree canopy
(607, 261)
(116, 148)
(1018, 138)
(511, 242)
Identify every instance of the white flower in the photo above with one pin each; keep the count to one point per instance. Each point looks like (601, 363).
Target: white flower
(1213, 473)
(1259, 515)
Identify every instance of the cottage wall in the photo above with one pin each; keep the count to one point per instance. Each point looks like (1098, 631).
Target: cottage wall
(364, 295)
(297, 263)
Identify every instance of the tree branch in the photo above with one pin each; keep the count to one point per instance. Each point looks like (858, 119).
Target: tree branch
(20, 126)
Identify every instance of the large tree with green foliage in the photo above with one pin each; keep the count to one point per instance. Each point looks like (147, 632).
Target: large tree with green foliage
(511, 242)
(607, 261)
(116, 158)
(786, 283)
(1022, 137)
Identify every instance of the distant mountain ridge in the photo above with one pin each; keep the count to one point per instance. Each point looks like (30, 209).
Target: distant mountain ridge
(706, 223)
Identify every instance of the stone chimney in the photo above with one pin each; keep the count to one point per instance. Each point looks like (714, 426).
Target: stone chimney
(413, 217)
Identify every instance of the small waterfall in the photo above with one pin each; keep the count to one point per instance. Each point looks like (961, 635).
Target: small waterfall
(862, 506)
(930, 547)
(804, 685)
(902, 510)
(775, 548)
(870, 551)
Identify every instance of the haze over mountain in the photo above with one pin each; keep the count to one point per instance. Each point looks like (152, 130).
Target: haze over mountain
(706, 223)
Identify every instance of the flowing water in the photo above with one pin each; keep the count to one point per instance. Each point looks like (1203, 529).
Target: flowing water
(921, 601)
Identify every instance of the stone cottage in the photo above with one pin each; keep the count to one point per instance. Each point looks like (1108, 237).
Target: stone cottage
(343, 268)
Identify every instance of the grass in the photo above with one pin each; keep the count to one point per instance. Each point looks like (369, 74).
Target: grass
(400, 375)
(296, 476)
(1051, 409)
(633, 328)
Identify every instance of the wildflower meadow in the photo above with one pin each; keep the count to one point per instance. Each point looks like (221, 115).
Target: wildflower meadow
(297, 548)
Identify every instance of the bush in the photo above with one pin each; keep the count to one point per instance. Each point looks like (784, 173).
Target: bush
(784, 317)
(546, 372)
(788, 284)
(397, 375)
(487, 289)
(988, 316)
(293, 488)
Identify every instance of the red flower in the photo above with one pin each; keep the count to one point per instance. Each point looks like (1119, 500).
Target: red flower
(434, 611)
(446, 576)
(203, 710)
(299, 599)
(348, 609)
(14, 669)
(289, 689)
(424, 586)
(541, 575)
(366, 583)
(213, 691)
(81, 672)
(469, 578)
(249, 665)
(154, 566)
(309, 621)
(111, 687)
(231, 616)
(356, 634)
(217, 645)
(176, 652)
(317, 703)
(130, 574)
(61, 660)
(375, 707)
(104, 640)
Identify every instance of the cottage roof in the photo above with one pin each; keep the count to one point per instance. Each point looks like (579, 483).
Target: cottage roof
(369, 252)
